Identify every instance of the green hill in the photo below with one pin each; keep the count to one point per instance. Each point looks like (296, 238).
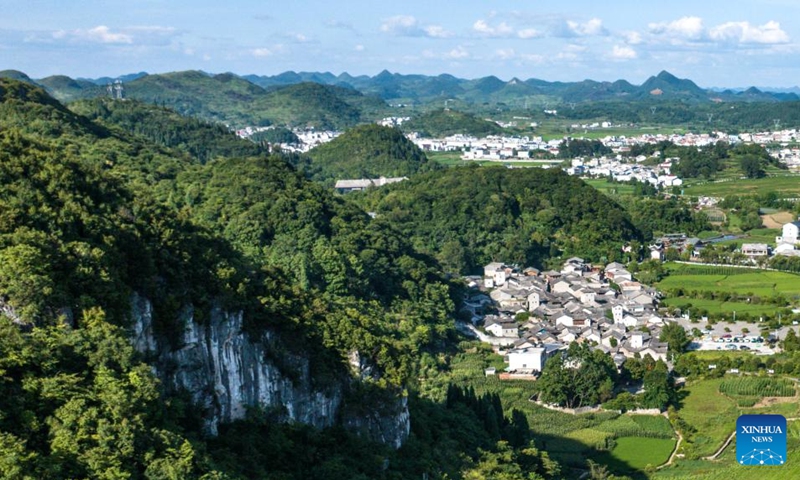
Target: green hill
(202, 140)
(320, 106)
(90, 215)
(66, 89)
(367, 151)
(441, 123)
(468, 217)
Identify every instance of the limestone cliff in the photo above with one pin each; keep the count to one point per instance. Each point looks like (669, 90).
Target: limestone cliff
(225, 372)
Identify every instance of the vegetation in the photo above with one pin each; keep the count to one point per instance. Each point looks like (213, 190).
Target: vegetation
(202, 141)
(366, 151)
(468, 217)
(578, 378)
(443, 123)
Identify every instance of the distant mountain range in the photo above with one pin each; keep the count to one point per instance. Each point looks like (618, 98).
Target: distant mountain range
(324, 100)
(395, 87)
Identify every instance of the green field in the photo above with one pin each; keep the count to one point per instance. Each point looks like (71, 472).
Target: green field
(610, 188)
(719, 307)
(713, 414)
(636, 453)
(785, 186)
(731, 279)
(453, 159)
(726, 468)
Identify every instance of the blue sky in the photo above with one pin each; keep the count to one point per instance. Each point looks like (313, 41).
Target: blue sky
(731, 44)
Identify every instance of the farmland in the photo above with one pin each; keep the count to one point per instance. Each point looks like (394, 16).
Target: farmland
(712, 414)
(784, 186)
(723, 290)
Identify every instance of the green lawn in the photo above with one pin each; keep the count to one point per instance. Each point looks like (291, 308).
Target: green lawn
(636, 453)
(786, 186)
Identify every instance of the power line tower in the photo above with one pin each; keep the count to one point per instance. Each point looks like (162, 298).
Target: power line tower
(777, 122)
(110, 90)
(653, 110)
(710, 117)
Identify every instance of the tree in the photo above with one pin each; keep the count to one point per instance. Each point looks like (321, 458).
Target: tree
(675, 336)
(791, 343)
(751, 166)
(658, 387)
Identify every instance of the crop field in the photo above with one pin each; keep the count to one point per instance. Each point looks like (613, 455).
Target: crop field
(785, 186)
(760, 387)
(730, 279)
(720, 307)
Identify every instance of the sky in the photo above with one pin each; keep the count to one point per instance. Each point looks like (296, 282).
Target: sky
(716, 44)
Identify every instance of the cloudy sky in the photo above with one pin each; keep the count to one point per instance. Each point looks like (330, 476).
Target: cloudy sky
(730, 44)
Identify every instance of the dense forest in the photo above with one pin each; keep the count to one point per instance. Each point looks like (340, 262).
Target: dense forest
(468, 217)
(366, 151)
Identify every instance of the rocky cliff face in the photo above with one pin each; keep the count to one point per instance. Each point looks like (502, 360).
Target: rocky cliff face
(225, 372)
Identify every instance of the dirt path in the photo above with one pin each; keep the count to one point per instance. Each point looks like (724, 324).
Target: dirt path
(674, 452)
(722, 448)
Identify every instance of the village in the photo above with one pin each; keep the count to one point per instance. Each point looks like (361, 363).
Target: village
(528, 316)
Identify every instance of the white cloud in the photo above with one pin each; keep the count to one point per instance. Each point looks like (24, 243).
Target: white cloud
(400, 25)
(533, 58)
(262, 52)
(359, 48)
(689, 28)
(437, 31)
(590, 28)
(102, 34)
(505, 53)
(623, 52)
(409, 26)
(458, 53)
(632, 38)
(98, 34)
(529, 33)
(742, 32)
(500, 30)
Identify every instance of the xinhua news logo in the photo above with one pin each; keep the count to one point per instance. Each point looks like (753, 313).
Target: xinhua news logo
(761, 440)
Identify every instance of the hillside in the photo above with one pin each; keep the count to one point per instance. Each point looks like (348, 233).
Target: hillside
(96, 229)
(442, 123)
(229, 99)
(468, 217)
(367, 151)
(161, 126)
(319, 106)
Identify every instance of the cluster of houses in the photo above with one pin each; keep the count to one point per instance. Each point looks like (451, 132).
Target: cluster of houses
(787, 242)
(622, 171)
(347, 186)
(529, 315)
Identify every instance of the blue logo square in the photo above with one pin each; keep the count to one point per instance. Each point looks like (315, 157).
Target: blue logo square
(761, 440)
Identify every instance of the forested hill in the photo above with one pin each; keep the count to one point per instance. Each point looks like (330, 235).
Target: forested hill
(90, 215)
(202, 140)
(367, 151)
(232, 100)
(470, 216)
